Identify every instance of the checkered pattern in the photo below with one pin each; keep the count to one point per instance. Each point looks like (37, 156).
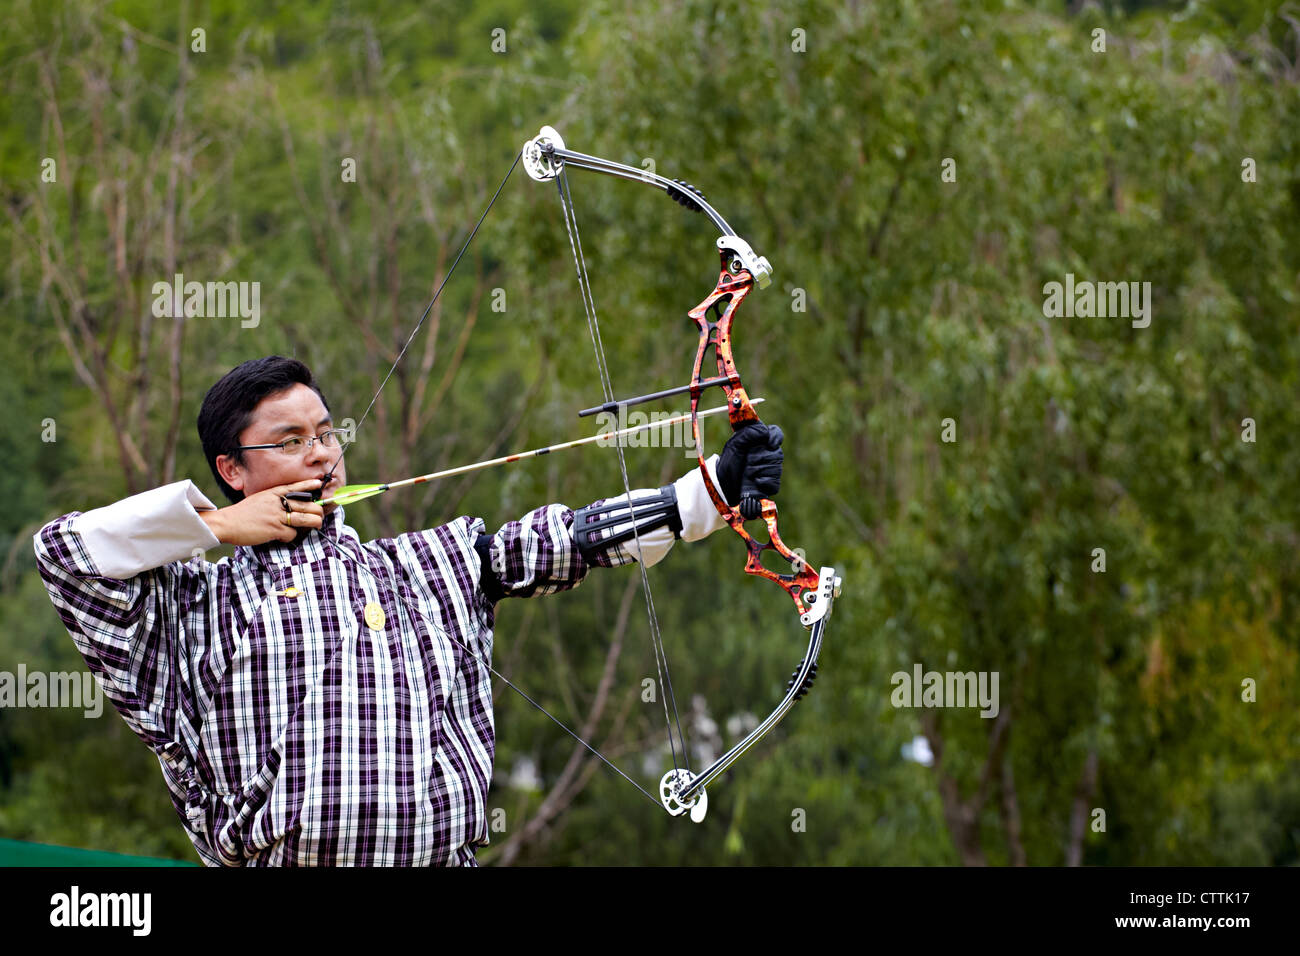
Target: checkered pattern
(289, 730)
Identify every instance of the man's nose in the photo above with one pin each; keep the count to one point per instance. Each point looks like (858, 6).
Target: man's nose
(317, 454)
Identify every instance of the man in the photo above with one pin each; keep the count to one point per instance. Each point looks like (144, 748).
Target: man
(315, 699)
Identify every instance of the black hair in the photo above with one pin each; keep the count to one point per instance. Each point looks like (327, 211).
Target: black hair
(228, 407)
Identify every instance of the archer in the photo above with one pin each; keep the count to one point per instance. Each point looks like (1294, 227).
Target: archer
(316, 699)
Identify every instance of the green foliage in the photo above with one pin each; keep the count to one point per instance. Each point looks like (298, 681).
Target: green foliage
(821, 130)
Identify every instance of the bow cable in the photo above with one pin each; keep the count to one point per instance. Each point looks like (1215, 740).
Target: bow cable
(593, 326)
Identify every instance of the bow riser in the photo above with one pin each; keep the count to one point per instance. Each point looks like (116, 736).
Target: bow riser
(716, 335)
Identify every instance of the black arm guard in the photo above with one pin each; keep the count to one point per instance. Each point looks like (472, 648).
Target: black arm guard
(599, 527)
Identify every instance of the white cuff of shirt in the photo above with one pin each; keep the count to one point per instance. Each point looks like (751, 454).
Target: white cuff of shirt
(147, 530)
(699, 516)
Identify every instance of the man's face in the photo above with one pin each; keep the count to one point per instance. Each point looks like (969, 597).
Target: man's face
(297, 411)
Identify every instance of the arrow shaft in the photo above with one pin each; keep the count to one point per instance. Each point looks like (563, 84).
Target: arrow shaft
(605, 437)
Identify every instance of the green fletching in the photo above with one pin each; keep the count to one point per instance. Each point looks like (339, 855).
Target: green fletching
(353, 493)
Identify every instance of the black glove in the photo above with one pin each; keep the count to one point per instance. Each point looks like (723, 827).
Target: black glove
(749, 468)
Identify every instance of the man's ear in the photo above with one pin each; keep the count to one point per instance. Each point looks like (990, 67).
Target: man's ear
(232, 473)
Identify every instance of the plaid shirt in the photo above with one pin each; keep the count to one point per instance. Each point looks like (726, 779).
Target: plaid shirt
(310, 703)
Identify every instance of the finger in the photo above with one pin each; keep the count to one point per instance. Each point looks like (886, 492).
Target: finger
(307, 484)
(283, 531)
(774, 437)
(298, 520)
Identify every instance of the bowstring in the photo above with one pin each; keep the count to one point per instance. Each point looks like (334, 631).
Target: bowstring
(415, 612)
(429, 308)
(593, 326)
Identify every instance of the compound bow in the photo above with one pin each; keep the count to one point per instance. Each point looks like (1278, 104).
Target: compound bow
(546, 158)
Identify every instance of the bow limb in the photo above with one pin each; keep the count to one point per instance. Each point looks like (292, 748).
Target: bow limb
(799, 684)
(545, 156)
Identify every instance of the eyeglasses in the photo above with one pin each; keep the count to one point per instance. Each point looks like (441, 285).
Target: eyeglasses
(298, 445)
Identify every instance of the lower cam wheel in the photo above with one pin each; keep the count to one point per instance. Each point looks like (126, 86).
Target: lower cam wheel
(672, 784)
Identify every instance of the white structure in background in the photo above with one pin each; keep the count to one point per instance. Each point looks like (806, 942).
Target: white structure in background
(918, 750)
(523, 775)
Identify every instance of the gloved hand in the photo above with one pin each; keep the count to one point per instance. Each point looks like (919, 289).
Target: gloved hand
(749, 468)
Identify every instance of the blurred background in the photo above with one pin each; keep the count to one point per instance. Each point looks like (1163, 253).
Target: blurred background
(916, 173)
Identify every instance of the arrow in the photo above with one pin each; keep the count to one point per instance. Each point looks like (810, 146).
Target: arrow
(349, 494)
